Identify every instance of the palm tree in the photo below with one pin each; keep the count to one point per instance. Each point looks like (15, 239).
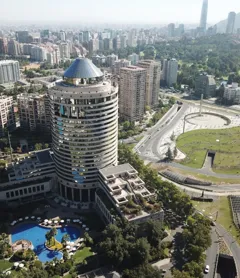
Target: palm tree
(53, 233)
(48, 236)
(65, 238)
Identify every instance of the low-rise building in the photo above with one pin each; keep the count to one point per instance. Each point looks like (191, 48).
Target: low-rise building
(122, 192)
(205, 85)
(28, 178)
(232, 94)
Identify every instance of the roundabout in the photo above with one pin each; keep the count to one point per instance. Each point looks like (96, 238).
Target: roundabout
(207, 119)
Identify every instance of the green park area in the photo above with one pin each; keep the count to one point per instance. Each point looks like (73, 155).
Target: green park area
(219, 211)
(224, 142)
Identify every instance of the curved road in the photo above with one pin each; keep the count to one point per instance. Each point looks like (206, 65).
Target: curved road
(148, 148)
(163, 126)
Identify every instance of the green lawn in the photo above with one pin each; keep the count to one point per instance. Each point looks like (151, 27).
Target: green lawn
(81, 255)
(195, 145)
(221, 210)
(4, 265)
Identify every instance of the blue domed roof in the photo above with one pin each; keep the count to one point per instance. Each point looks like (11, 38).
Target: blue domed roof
(82, 68)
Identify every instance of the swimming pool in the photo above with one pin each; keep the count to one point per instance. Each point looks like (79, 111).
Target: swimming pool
(36, 234)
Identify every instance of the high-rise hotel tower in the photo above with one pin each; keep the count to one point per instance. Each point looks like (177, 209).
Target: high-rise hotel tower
(84, 112)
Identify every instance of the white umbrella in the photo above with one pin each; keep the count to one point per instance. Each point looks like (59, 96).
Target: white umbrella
(33, 217)
(20, 219)
(62, 221)
(50, 221)
(68, 247)
(26, 218)
(84, 226)
(74, 249)
(45, 220)
(80, 222)
(55, 221)
(21, 265)
(86, 229)
(16, 264)
(77, 220)
(39, 218)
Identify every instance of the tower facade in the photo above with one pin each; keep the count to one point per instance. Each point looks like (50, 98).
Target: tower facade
(231, 23)
(84, 114)
(204, 13)
(152, 81)
(132, 93)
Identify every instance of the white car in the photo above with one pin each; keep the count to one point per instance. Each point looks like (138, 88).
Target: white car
(207, 267)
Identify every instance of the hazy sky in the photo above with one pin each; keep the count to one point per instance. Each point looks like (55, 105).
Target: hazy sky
(119, 11)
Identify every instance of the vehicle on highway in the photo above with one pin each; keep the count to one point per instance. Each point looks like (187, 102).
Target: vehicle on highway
(207, 267)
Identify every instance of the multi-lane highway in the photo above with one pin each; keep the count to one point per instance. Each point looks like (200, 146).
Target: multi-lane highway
(149, 149)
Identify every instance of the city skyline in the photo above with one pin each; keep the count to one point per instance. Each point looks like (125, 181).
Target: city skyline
(185, 11)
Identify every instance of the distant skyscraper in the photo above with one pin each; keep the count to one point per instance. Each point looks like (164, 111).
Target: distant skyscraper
(14, 48)
(86, 36)
(171, 30)
(133, 58)
(203, 21)
(170, 69)
(3, 46)
(231, 22)
(63, 36)
(81, 37)
(120, 64)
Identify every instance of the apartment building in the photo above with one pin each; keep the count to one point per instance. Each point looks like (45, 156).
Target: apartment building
(132, 93)
(232, 94)
(34, 111)
(9, 71)
(152, 81)
(120, 64)
(7, 117)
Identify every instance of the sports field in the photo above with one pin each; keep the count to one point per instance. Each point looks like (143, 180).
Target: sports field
(224, 142)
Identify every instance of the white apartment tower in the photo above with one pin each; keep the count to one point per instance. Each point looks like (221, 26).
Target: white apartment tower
(64, 51)
(152, 81)
(84, 115)
(7, 118)
(132, 93)
(9, 71)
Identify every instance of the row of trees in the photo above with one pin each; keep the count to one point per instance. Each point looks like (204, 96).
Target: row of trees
(196, 238)
(131, 247)
(196, 235)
